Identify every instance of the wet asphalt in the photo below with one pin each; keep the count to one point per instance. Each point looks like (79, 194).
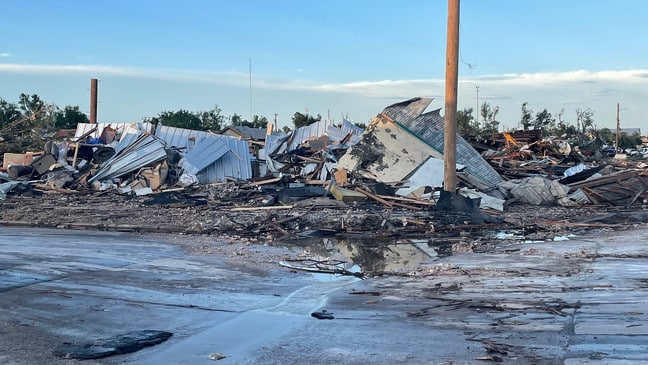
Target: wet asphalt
(578, 301)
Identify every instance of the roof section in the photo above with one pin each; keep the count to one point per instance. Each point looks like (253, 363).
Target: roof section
(217, 157)
(257, 134)
(430, 127)
(179, 137)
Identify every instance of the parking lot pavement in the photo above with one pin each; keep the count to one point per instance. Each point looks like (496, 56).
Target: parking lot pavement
(579, 301)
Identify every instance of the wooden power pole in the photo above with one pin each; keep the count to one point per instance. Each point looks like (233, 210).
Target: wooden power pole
(93, 100)
(618, 130)
(452, 77)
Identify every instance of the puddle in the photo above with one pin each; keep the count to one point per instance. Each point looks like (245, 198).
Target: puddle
(372, 255)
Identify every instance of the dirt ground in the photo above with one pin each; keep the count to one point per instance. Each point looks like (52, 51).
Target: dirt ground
(240, 220)
(253, 238)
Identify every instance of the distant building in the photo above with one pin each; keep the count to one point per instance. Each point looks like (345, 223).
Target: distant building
(247, 133)
(628, 131)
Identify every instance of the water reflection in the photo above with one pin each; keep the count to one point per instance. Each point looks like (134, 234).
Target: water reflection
(374, 255)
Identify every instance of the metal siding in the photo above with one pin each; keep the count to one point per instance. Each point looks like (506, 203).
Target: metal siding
(207, 151)
(258, 134)
(430, 127)
(275, 144)
(83, 128)
(144, 152)
(179, 137)
(405, 111)
(214, 163)
(335, 134)
(357, 131)
(300, 135)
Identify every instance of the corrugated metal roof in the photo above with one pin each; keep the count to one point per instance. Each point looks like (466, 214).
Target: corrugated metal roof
(407, 110)
(300, 135)
(350, 127)
(145, 151)
(336, 134)
(179, 137)
(206, 152)
(258, 134)
(83, 128)
(276, 144)
(217, 157)
(429, 127)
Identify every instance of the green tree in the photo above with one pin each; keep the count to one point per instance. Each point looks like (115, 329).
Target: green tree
(629, 141)
(300, 120)
(485, 111)
(9, 113)
(604, 137)
(30, 105)
(28, 125)
(526, 117)
(201, 121)
(489, 115)
(466, 123)
(69, 117)
(179, 119)
(257, 122)
(543, 121)
(584, 119)
(211, 120)
(236, 120)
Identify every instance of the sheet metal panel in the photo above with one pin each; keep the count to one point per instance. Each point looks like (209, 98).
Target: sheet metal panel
(357, 131)
(83, 128)
(206, 152)
(276, 144)
(300, 135)
(429, 127)
(179, 137)
(217, 157)
(144, 152)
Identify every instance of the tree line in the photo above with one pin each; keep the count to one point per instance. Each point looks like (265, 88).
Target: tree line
(582, 130)
(32, 118)
(29, 122)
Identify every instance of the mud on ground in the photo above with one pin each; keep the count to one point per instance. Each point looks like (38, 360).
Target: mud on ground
(239, 218)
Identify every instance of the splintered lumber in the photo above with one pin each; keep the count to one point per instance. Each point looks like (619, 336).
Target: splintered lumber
(408, 200)
(619, 189)
(248, 209)
(309, 159)
(266, 181)
(346, 195)
(385, 202)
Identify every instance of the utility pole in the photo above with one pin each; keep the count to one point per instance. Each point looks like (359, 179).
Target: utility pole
(618, 130)
(93, 100)
(477, 110)
(251, 89)
(452, 76)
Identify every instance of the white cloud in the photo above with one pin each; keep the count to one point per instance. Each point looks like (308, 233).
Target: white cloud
(598, 90)
(5, 54)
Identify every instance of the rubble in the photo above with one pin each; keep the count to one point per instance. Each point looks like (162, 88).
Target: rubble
(338, 180)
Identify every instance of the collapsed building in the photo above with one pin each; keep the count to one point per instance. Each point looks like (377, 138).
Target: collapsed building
(397, 161)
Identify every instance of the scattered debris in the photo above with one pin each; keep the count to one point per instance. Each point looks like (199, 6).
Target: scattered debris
(116, 345)
(216, 356)
(321, 179)
(323, 314)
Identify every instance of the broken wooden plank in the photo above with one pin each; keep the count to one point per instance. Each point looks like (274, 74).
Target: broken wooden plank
(263, 182)
(634, 197)
(409, 200)
(346, 195)
(248, 209)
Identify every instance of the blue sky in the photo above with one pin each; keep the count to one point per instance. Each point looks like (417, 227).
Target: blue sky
(328, 57)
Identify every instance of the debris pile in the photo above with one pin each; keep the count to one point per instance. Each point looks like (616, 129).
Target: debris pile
(385, 180)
